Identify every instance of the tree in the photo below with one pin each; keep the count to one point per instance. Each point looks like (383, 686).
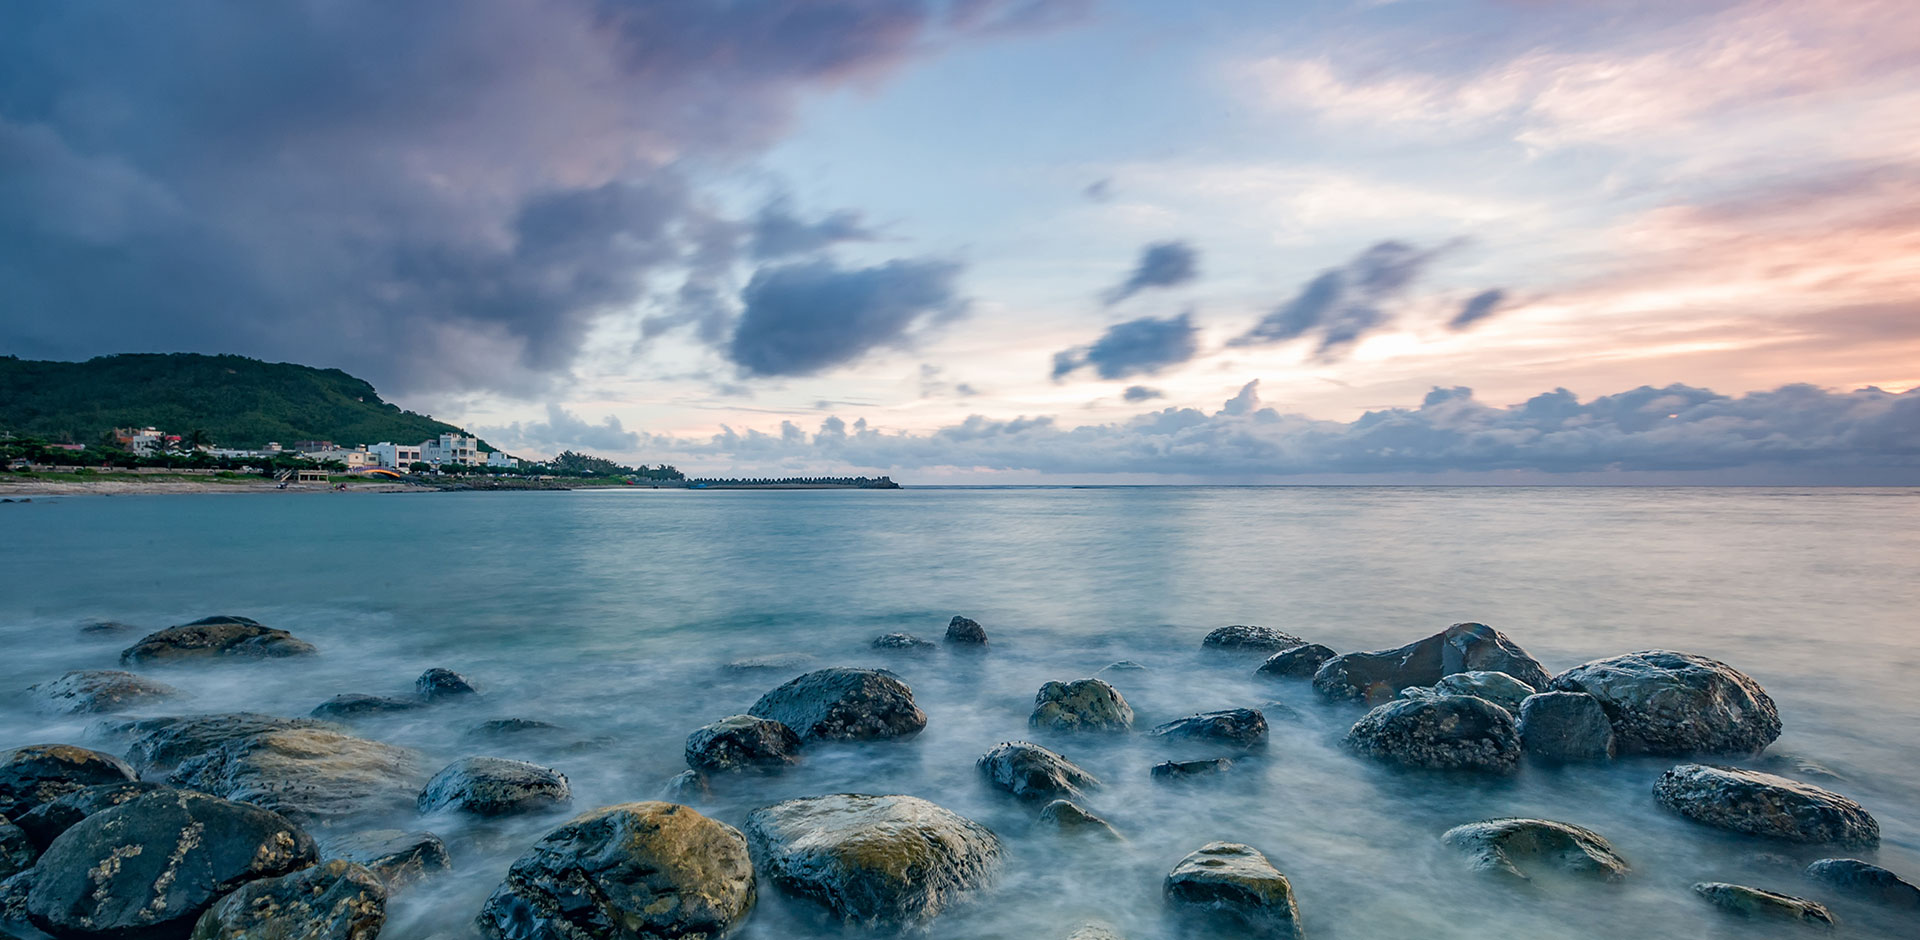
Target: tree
(198, 438)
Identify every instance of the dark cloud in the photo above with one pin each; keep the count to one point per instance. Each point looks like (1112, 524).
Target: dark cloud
(1343, 304)
(1100, 190)
(803, 318)
(778, 233)
(1138, 393)
(1478, 307)
(1162, 264)
(1136, 347)
(564, 430)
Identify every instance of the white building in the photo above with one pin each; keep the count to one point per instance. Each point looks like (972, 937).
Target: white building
(395, 456)
(499, 458)
(454, 449)
(353, 457)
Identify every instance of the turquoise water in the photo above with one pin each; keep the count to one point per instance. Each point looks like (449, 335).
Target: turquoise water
(611, 612)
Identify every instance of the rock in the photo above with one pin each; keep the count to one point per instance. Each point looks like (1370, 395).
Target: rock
(1798, 766)
(17, 852)
(1566, 727)
(687, 786)
(105, 627)
(158, 745)
(437, 684)
(1499, 845)
(1066, 816)
(904, 641)
(215, 637)
(42, 773)
(335, 900)
(1764, 805)
(13, 900)
(1869, 882)
(1095, 930)
(1030, 771)
(1172, 770)
(494, 786)
(873, 859)
(395, 856)
(1464, 647)
(843, 704)
(45, 822)
(1080, 705)
(355, 705)
(310, 775)
(1496, 687)
(742, 742)
(512, 729)
(1124, 665)
(1241, 636)
(1296, 662)
(152, 865)
(1753, 902)
(1280, 711)
(1235, 882)
(635, 870)
(780, 661)
(1239, 727)
(1445, 732)
(965, 631)
(99, 690)
(1662, 702)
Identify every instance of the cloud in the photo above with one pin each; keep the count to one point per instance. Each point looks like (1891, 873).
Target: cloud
(807, 317)
(1137, 393)
(564, 430)
(778, 233)
(1100, 190)
(1246, 402)
(1162, 264)
(1478, 307)
(1137, 347)
(1343, 304)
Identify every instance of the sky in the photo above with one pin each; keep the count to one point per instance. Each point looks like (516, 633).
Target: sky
(1009, 241)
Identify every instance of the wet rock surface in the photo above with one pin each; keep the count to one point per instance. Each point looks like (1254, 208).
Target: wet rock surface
(873, 859)
(98, 691)
(780, 662)
(158, 745)
(42, 773)
(647, 869)
(1862, 880)
(1743, 901)
(1765, 805)
(1444, 732)
(152, 865)
(1463, 647)
(396, 856)
(687, 786)
(214, 637)
(335, 900)
(1234, 882)
(355, 705)
(1066, 816)
(843, 704)
(966, 631)
(1080, 705)
(1175, 770)
(1496, 687)
(1565, 727)
(312, 775)
(1241, 636)
(45, 822)
(495, 786)
(1030, 771)
(17, 851)
(439, 684)
(513, 730)
(904, 641)
(13, 901)
(1663, 702)
(1236, 727)
(742, 742)
(1509, 846)
(1297, 662)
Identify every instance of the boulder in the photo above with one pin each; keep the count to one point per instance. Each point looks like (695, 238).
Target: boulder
(1094, 930)
(334, 900)
(1565, 727)
(873, 859)
(1280, 711)
(742, 742)
(42, 773)
(150, 866)
(1445, 732)
(311, 775)
(1464, 647)
(355, 705)
(1869, 882)
(1124, 665)
(1233, 882)
(494, 786)
(513, 729)
(687, 786)
(784, 662)
(966, 631)
(1068, 817)
(395, 856)
(1500, 846)
(1239, 727)
(1764, 805)
(13, 901)
(1768, 905)
(1030, 771)
(1244, 637)
(1080, 705)
(158, 745)
(105, 627)
(1173, 770)
(1496, 687)
(844, 704)
(904, 641)
(45, 822)
(439, 684)
(1296, 662)
(215, 637)
(17, 851)
(99, 690)
(634, 870)
(1662, 702)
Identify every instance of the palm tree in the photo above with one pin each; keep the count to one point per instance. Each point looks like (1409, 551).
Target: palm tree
(198, 438)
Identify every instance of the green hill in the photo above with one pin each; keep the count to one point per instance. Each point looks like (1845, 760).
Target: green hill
(240, 402)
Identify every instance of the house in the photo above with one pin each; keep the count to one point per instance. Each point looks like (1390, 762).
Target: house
(454, 449)
(395, 456)
(139, 440)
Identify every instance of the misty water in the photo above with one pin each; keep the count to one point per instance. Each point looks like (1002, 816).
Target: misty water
(611, 613)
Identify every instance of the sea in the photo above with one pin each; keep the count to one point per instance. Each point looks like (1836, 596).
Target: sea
(613, 614)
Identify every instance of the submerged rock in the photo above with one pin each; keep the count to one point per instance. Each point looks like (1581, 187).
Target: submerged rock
(1463, 647)
(395, 856)
(1242, 636)
(495, 786)
(779, 661)
(311, 775)
(1124, 665)
(335, 900)
(99, 690)
(636, 870)
(1095, 930)
(873, 859)
(1869, 882)
(687, 786)
(1764, 805)
(1500, 845)
(904, 641)
(158, 745)
(216, 637)
(1753, 902)
(1565, 727)
(966, 631)
(188, 849)
(438, 684)
(1066, 816)
(843, 704)
(1235, 882)
(45, 822)
(1445, 732)
(42, 773)
(742, 742)
(1297, 662)
(356, 705)
(1172, 770)
(1662, 702)
(105, 627)
(17, 851)
(1239, 727)
(1030, 771)
(513, 729)
(1080, 705)
(1496, 687)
